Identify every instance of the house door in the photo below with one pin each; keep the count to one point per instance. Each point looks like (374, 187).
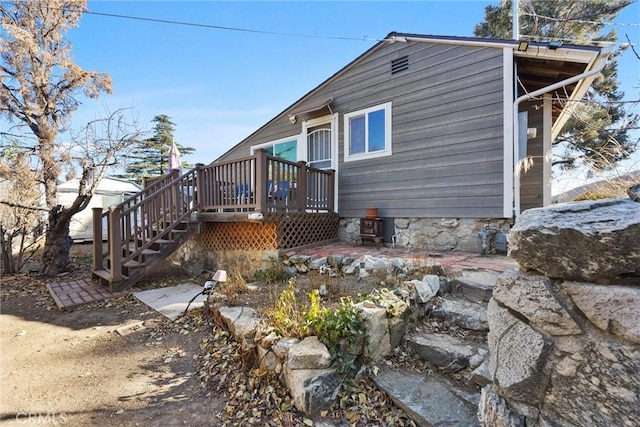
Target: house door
(321, 148)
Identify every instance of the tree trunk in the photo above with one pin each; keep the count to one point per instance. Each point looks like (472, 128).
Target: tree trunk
(7, 253)
(57, 246)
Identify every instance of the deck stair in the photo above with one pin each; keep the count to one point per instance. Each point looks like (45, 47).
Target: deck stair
(144, 230)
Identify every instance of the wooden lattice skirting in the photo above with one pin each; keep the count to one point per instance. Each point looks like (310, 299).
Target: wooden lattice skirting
(277, 231)
(302, 229)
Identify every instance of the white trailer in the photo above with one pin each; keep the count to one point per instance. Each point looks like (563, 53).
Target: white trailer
(110, 192)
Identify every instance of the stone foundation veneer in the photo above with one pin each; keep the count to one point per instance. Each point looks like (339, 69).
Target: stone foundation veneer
(246, 262)
(439, 234)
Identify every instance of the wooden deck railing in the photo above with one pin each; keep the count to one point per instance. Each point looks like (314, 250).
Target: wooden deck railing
(264, 183)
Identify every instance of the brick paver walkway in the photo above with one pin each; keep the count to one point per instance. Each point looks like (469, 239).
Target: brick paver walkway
(74, 292)
(454, 263)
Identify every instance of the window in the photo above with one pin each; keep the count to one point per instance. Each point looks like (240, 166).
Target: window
(367, 133)
(286, 148)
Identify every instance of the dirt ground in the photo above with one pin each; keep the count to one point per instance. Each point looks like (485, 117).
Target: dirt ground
(90, 367)
(117, 362)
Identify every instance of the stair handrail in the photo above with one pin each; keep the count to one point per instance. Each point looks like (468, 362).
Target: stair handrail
(132, 221)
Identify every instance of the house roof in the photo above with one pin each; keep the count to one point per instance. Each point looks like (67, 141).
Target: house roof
(537, 67)
(540, 65)
(107, 185)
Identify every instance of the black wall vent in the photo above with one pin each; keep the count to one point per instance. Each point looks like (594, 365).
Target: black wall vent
(399, 64)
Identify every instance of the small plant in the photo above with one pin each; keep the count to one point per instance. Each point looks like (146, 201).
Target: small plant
(288, 314)
(272, 274)
(339, 329)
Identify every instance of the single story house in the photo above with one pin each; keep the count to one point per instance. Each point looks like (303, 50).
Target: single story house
(417, 142)
(431, 130)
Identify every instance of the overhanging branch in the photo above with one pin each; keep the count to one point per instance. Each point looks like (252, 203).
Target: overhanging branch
(20, 205)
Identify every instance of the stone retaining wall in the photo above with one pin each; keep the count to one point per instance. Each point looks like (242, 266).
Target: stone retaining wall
(305, 365)
(565, 339)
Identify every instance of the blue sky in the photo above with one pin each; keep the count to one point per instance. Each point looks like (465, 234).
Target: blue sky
(218, 86)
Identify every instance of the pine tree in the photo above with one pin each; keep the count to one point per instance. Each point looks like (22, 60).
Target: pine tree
(150, 157)
(597, 135)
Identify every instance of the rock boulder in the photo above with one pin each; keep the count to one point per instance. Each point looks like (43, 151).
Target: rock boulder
(594, 241)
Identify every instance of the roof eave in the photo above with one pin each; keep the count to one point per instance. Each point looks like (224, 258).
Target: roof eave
(579, 91)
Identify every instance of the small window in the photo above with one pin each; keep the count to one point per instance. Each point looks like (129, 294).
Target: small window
(367, 133)
(319, 147)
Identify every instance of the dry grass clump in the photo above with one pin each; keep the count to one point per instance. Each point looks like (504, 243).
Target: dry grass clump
(234, 287)
(609, 188)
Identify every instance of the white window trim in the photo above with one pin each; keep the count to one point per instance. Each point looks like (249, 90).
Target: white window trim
(299, 154)
(387, 134)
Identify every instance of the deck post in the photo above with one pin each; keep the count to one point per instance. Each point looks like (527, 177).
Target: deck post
(261, 180)
(331, 190)
(199, 195)
(174, 205)
(115, 244)
(97, 239)
(302, 186)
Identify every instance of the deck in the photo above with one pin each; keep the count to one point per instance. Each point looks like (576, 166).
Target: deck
(289, 204)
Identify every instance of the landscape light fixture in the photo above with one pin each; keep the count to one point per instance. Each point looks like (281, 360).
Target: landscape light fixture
(220, 276)
(292, 119)
(523, 46)
(554, 45)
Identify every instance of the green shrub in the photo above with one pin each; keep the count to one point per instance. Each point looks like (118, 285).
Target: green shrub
(339, 329)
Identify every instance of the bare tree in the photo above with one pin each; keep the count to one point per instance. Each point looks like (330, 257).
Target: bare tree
(39, 86)
(20, 221)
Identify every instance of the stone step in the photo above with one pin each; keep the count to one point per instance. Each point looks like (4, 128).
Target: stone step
(476, 285)
(446, 351)
(462, 313)
(429, 400)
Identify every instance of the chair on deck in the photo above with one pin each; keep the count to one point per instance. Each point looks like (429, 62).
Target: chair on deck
(242, 194)
(282, 191)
